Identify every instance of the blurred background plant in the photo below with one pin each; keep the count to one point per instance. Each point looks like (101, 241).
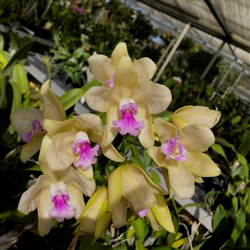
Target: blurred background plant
(78, 29)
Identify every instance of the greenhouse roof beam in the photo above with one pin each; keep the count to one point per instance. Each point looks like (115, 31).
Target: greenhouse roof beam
(198, 23)
(218, 19)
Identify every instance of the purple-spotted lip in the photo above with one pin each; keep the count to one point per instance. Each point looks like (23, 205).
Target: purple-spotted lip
(174, 149)
(62, 210)
(87, 154)
(127, 124)
(37, 128)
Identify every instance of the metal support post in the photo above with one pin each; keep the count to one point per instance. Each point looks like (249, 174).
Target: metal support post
(221, 81)
(172, 52)
(230, 89)
(165, 52)
(212, 61)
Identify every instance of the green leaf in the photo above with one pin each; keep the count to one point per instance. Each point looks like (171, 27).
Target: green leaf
(235, 204)
(224, 142)
(229, 245)
(219, 150)
(239, 224)
(194, 204)
(198, 247)
(18, 56)
(90, 85)
(17, 97)
(139, 245)
(155, 177)
(221, 227)
(71, 97)
(164, 248)
(242, 160)
(20, 77)
(78, 52)
(139, 228)
(1, 42)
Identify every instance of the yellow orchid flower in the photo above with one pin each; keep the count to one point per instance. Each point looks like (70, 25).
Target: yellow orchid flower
(132, 99)
(94, 218)
(195, 115)
(29, 122)
(159, 215)
(103, 68)
(70, 143)
(130, 186)
(181, 153)
(56, 195)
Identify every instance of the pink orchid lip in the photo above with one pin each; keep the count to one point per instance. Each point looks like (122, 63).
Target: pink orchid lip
(37, 128)
(174, 149)
(128, 124)
(81, 146)
(59, 196)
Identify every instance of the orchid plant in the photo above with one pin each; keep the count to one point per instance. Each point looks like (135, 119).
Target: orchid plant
(72, 150)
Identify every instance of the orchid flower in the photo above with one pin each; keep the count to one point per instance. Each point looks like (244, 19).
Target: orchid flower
(94, 218)
(159, 215)
(29, 122)
(132, 99)
(56, 195)
(195, 115)
(103, 68)
(130, 186)
(181, 154)
(71, 143)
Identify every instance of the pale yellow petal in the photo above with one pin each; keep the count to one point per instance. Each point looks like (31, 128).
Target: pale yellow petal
(53, 127)
(110, 131)
(146, 135)
(101, 67)
(44, 206)
(114, 188)
(125, 77)
(181, 180)
(152, 221)
(28, 200)
(119, 214)
(156, 154)
(22, 119)
(60, 153)
(201, 165)
(136, 190)
(137, 170)
(103, 220)
(111, 153)
(196, 138)
(98, 98)
(47, 140)
(155, 97)
(88, 173)
(145, 68)
(52, 107)
(162, 214)
(89, 122)
(30, 148)
(178, 122)
(119, 51)
(74, 178)
(197, 115)
(75, 199)
(91, 211)
(165, 130)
